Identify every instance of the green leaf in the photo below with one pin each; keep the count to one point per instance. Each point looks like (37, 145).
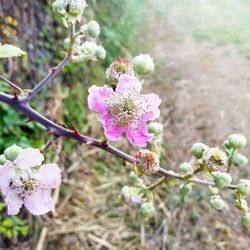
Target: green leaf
(8, 50)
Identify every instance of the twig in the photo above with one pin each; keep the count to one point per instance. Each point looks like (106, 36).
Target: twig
(60, 131)
(13, 85)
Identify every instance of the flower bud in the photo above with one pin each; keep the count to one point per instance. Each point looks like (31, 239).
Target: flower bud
(93, 29)
(198, 149)
(155, 128)
(242, 205)
(237, 141)
(239, 160)
(217, 203)
(246, 220)
(88, 50)
(186, 168)
(243, 187)
(146, 162)
(66, 43)
(147, 209)
(143, 64)
(57, 6)
(2, 159)
(185, 189)
(222, 180)
(131, 195)
(100, 53)
(12, 152)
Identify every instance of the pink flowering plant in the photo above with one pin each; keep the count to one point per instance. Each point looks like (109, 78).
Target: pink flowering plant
(125, 109)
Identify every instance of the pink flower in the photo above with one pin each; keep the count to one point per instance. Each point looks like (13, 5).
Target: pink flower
(22, 182)
(125, 110)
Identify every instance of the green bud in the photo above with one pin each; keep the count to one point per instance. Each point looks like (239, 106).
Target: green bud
(198, 149)
(222, 180)
(66, 43)
(246, 219)
(100, 53)
(2, 159)
(155, 128)
(147, 209)
(237, 141)
(217, 203)
(57, 6)
(243, 187)
(12, 152)
(240, 160)
(242, 205)
(93, 29)
(143, 64)
(185, 189)
(186, 168)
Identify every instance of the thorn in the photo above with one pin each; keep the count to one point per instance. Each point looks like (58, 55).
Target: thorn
(29, 120)
(53, 69)
(75, 130)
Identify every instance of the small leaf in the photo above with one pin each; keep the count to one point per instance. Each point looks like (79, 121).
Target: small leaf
(8, 50)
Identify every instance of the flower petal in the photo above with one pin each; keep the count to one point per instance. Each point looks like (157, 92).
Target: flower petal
(137, 134)
(151, 104)
(128, 83)
(13, 202)
(49, 176)
(39, 202)
(7, 172)
(98, 97)
(112, 131)
(30, 157)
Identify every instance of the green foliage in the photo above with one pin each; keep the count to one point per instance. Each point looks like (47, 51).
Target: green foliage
(8, 50)
(12, 226)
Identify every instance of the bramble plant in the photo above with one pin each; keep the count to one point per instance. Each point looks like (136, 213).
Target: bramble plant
(124, 111)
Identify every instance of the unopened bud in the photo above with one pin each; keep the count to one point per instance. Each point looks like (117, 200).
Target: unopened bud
(222, 180)
(155, 128)
(243, 187)
(2, 159)
(237, 141)
(186, 189)
(246, 220)
(147, 209)
(186, 168)
(66, 43)
(93, 29)
(12, 152)
(143, 64)
(131, 195)
(100, 53)
(239, 160)
(198, 149)
(242, 205)
(217, 203)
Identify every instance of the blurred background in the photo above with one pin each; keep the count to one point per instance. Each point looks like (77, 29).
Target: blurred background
(201, 49)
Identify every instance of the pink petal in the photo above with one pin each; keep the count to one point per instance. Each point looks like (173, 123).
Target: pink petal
(39, 202)
(151, 104)
(13, 202)
(30, 157)
(112, 131)
(137, 134)
(49, 176)
(128, 83)
(98, 98)
(7, 172)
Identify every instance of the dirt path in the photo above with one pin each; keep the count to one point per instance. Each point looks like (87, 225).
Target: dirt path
(206, 97)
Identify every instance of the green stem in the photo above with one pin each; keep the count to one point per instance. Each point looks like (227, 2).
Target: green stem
(156, 184)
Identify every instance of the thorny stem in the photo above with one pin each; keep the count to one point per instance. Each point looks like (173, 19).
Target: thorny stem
(60, 131)
(11, 84)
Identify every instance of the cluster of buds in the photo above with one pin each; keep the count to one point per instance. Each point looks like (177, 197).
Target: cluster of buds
(85, 47)
(70, 10)
(141, 65)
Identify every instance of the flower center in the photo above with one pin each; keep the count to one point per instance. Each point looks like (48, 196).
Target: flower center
(25, 183)
(123, 110)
